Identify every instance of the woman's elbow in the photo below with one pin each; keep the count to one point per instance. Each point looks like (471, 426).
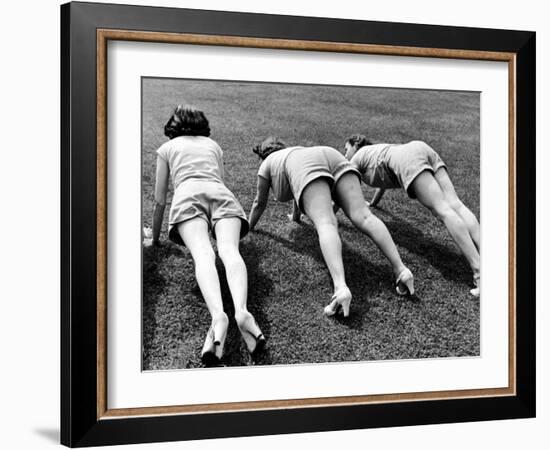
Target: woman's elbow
(160, 199)
(259, 202)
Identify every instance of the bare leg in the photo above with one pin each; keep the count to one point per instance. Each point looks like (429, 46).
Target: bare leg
(227, 236)
(350, 198)
(429, 193)
(446, 185)
(317, 202)
(194, 233)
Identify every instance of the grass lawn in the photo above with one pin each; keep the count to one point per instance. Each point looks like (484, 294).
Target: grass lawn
(288, 281)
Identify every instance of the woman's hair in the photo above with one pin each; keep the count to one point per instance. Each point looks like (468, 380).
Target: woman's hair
(358, 140)
(268, 146)
(187, 121)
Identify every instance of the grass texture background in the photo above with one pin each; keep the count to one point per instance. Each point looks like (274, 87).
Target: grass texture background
(288, 281)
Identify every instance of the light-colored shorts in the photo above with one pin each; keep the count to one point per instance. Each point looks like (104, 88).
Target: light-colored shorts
(208, 200)
(306, 164)
(409, 160)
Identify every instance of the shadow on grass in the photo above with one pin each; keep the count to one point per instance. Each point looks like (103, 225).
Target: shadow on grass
(259, 288)
(153, 287)
(235, 352)
(449, 263)
(364, 278)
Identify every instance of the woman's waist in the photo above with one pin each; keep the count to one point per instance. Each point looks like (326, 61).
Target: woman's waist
(197, 181)
(308, 158)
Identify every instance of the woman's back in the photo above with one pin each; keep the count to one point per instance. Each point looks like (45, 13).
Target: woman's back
(193, 158)
(372, 161)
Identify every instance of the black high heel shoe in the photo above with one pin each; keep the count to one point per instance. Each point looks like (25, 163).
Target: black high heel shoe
(212, 350)
(251, 333)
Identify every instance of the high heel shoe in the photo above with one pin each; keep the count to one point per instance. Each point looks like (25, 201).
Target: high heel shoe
(212, 350)
(404, 285)
(340, 301)
(251, 333)
(475, 291)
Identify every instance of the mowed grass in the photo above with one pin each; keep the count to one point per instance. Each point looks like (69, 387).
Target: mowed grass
(288, 281)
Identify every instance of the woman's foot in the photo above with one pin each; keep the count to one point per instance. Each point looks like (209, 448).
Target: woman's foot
(475, 290)
(212, 350)
(250, 331)
(340, 301)
(404, 285)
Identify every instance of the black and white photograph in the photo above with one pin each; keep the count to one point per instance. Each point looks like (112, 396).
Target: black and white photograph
(301, 224)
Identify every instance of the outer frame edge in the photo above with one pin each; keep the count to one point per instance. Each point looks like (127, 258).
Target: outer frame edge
(522, 405)
(65, 334)
(526, 224)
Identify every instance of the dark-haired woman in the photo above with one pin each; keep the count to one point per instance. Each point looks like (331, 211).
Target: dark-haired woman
(314, 177)
(202, 203)
(421, 172)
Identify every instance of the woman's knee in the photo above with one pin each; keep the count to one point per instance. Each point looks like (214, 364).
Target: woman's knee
(360, 215)
(455, 203)
(203, 254)
(326, 227)
(228, 252)
(328, 220)
(442, 210)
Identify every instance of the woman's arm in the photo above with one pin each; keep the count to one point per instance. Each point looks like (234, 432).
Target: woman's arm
(161, 189)
(260, 202)
(376, 197)
(296, 215)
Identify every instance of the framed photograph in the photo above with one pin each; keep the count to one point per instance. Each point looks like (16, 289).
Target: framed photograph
(276, 224)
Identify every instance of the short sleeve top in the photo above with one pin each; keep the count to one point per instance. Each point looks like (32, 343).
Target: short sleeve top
(372, 162)
(273, 170)
(193, 158)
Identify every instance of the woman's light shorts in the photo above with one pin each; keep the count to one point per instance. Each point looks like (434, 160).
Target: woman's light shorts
(208, 200)
(409, 160)
(306, 164)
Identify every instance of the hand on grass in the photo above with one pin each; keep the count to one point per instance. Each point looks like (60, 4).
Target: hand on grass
(296, 219)
(148, 238)
(149, 243)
